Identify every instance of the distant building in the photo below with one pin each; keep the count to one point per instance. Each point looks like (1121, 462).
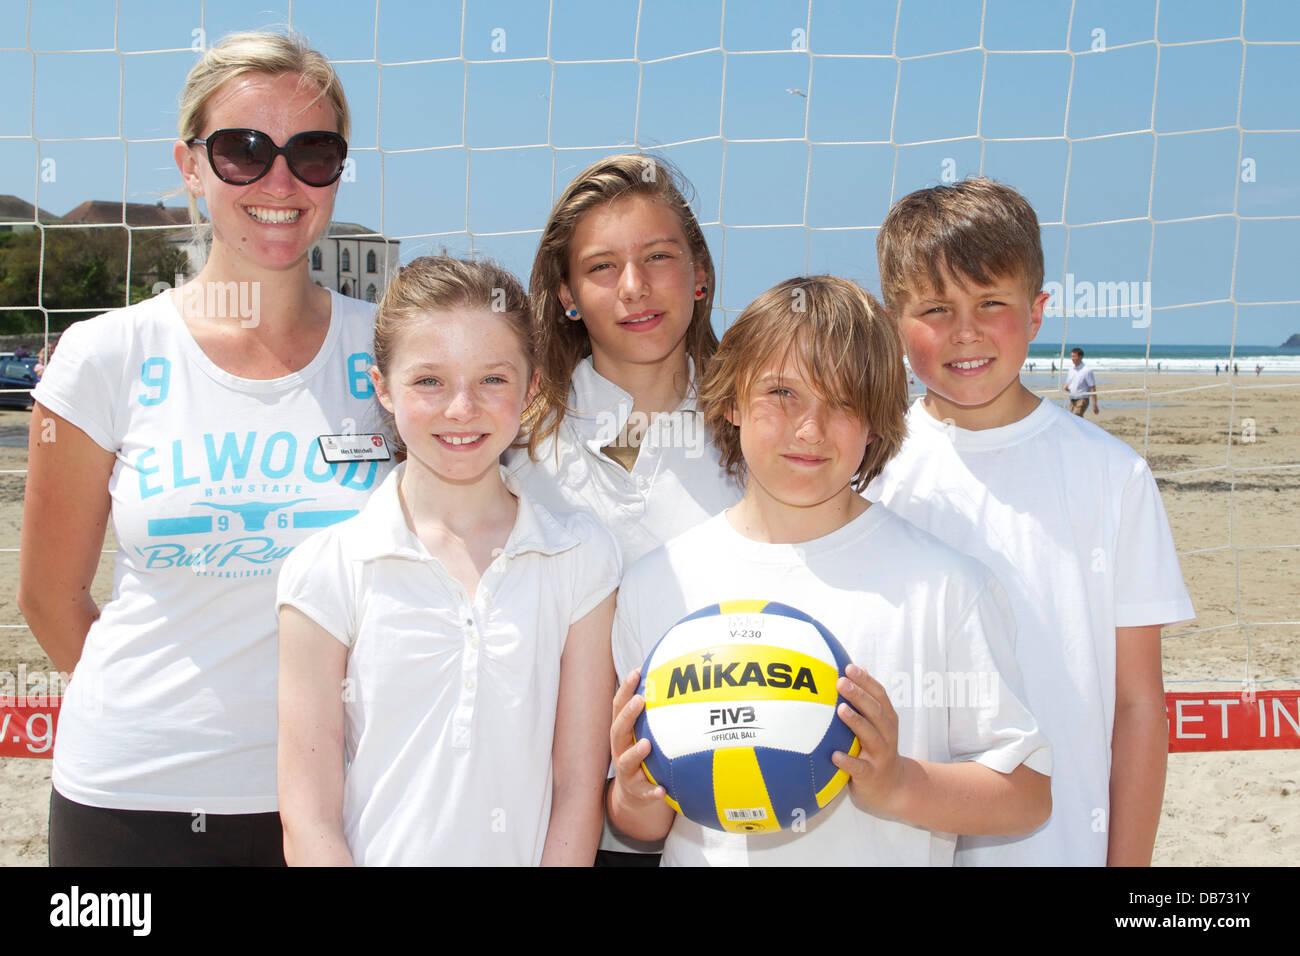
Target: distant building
(172, 221)
(18, 215)
(354, 260)
(349, 258)
(100, 212)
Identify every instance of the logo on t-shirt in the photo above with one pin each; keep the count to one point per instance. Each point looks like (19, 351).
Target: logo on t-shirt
(254, 500)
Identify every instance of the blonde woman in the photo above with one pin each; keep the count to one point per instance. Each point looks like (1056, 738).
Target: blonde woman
(198, 422)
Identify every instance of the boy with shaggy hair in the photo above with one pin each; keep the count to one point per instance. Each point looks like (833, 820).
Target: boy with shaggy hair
(1068, 517)
(805, 399)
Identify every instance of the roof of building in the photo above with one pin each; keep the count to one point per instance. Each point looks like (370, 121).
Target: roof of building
(14, 209)
(340, 230)
(132, 213)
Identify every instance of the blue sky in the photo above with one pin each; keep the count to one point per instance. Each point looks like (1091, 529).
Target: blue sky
(1167, 156)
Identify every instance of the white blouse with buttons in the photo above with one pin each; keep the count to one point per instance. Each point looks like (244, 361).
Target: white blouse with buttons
(676, 483)
(450, 699)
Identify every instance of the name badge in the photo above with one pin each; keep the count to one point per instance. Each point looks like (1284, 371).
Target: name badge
(354, 448)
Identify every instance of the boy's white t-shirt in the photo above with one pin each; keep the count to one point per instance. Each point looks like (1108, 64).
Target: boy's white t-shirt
(450, 709)
(217, 479)
(1070, 520)
(905, 607)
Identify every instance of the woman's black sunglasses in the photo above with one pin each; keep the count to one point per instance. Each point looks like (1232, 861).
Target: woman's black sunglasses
(243, 156)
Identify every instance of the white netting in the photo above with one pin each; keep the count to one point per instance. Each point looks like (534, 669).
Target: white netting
(799, 123)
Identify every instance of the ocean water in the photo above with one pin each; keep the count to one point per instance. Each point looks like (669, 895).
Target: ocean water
(1200, 359)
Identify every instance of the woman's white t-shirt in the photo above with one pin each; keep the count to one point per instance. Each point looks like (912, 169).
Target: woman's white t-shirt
(450, 698)
(217, 479)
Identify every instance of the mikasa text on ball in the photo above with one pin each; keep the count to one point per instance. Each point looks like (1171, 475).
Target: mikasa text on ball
(740, 705)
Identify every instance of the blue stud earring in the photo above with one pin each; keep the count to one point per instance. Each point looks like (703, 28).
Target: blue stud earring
(572, 313)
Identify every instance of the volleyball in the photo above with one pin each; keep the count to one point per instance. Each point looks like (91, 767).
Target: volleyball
(740, 703)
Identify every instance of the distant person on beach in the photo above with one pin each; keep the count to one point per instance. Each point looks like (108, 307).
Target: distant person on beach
(1236, 368)
(1216, 368)
(1080, 385)
(1053, 366)
(985, 468)
(1258, 369)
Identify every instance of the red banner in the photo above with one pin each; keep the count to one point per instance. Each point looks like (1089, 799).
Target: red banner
(1197, 721)
(1224, 721)
(27, 726)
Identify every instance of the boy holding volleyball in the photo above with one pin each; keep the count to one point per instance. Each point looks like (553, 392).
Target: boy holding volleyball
(1068, 517)
(806, 400)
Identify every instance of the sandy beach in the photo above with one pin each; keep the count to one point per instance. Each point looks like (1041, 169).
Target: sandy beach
(1233, 500)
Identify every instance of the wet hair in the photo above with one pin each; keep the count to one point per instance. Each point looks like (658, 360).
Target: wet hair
(845, 341)
(561, 342)
(439, 284)
(263, 52)
(976, 230)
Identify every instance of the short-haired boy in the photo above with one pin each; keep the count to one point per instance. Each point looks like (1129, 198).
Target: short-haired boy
(806, 400)
(1068, 517)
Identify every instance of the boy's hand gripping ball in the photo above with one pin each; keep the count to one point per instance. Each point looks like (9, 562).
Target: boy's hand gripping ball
(740, 705)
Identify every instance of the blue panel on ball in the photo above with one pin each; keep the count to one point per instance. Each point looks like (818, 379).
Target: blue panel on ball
(787, 777)
(837, 649)
(656, 763)
(711, 611)
(692, 787)
(839, 737)
(785, 610)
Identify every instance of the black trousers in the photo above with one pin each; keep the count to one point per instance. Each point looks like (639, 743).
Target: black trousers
(97, 836)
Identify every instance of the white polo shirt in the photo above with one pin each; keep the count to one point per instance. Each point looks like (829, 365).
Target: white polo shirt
(1080, 382)
(450, 698)
(676, 483)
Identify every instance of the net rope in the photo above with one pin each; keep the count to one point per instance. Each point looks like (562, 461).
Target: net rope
(422, 242)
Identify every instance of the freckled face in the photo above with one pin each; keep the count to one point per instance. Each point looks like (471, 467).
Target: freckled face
(457, 384)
